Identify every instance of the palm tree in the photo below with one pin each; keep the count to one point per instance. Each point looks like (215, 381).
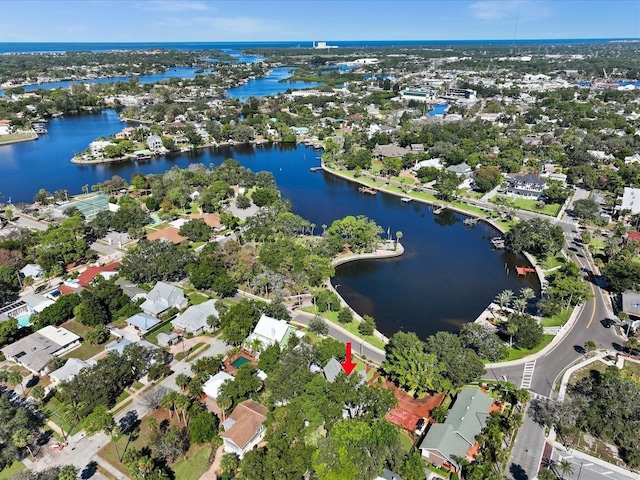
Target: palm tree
(519, 304)
(224, 403)
(633, 344)
(512, 329)
(74, 412)
(21, 438)
(182, 380)
(169, 402)
(527, 293)
(565, 467)
(503, 298)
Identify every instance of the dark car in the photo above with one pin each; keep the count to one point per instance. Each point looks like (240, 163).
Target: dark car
(41, 288)
(420, 426)
(608, 323)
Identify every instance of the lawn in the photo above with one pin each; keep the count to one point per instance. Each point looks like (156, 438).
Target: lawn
(351, 327)
(123, 396)
(54, 411)
(517, 354)
(162, 328)
(552, 262)
(194, 465)
(557, 320)
(85, 351)
(197, 298)
(122, 407)
(16, 137)
(77, 328)
(597, 246)
(11, 470)
(551, 209)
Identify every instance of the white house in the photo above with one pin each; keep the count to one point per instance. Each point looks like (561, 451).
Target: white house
(212, 386)
(194, 318)
(68, 371)
(97, 147)
(33, 270)
(244, 428)
(270, 331)
(162, 297)
(5, 127)
(154, 142)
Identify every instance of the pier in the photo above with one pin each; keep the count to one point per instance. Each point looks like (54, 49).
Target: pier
(522, 271)
(498, 242)
(438, 210)
(470, 222)
(315, 169)
(369, 190)
(406, 199)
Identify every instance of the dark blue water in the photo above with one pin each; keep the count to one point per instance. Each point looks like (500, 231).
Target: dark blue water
(174, 72)
(269, 85)
(18, 47)
(448, 275)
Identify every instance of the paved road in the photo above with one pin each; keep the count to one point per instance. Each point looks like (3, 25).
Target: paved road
(585, 468)
(357, 345)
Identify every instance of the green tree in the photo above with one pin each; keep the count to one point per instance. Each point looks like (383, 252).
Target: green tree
(203, 427)
(527, 331)
(487, 177)
(68, 472)
(318, 326)
(565, 467)
(345, 315)
(367, 326)
(22, 438)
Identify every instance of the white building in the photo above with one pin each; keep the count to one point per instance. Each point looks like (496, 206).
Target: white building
(270, 331)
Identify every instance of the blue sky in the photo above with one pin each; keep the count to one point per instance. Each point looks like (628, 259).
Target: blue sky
(330, 20)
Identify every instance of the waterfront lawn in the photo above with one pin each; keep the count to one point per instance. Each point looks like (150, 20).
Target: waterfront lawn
(17, 137)
(557, 320)
(11, 470)
(552, 262)
(550, 209)
(517, 353)
(350, 327)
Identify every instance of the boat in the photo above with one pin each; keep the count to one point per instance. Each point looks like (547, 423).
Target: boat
(315, 169)
(438, 211)
(498, 242)
(369, 190)
(406, 199)
(470, 222)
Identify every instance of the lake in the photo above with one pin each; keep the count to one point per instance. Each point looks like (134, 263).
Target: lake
(447, 276)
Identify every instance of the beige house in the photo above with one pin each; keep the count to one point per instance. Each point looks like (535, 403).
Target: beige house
(244, 428)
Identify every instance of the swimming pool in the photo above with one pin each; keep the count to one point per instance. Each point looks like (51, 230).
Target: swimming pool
(23, 321)
(240, 361)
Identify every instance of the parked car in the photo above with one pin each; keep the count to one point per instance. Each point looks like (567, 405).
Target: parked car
(420, 426)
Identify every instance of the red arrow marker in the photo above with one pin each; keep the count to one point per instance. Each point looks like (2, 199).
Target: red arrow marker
(347, 365)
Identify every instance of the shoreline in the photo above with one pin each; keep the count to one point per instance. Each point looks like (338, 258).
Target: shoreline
(33, 136)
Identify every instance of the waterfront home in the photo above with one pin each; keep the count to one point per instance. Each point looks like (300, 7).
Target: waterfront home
(162, 297)
(244, 428)
(454, 439)
(154, 142)
(528, 185)
(33, 270)
(6, 127)
(386, 151)
(97, 147)
(194, 318)
(35, 351)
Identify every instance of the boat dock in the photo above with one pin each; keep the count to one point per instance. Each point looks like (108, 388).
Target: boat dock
(522, 271)
(470, 222)
(369, 190)
(438, 210)
(315, 169)
(406, 199)
(498, 242)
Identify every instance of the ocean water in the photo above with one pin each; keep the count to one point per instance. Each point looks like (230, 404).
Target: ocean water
(35, 47)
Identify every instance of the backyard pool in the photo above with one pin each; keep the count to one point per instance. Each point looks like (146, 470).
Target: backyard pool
(240, 361)
(23, 321)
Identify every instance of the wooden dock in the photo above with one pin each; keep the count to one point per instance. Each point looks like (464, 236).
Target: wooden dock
(522, 271)
(369, 190)
(470, 222)
(406, 199)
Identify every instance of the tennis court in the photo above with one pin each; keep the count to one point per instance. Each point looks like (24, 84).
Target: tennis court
(90, 206)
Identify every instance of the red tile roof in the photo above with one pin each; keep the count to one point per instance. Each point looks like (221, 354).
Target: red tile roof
(92, 272)
(172, 234)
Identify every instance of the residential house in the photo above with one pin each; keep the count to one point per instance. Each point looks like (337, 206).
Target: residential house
(244, 428)
(635, 158)
(212, 386)
(33, 270)
(118, 346)
(270, 331)
(445, 443)
(131, 290)
(168, 234)
(107, 271)
(194, 318)
(162, 297)
(68, 371)
(388, 475)
(462, 170)
(36, 302)
(97, 147)
(333, 368)
(168, 339)
(6, 128)
(600, 155)
(154, 142)
(387, 151)
(35, 351)
(528, 185)
(142, 322)
(211, 219)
